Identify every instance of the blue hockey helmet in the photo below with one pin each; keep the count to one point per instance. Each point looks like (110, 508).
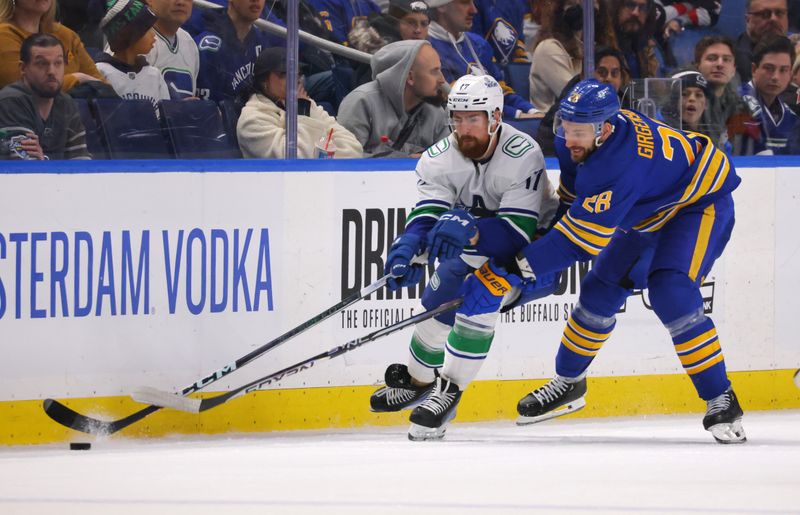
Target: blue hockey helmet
(590, 101)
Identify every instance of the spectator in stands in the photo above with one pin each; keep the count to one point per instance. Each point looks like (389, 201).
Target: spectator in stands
(679, 14)
(692, 98)
(557, 52)
(763, 19)
(714, 58)
(463, 52)
(773, 128)
(21, 18)
(341, 16)
(405, 20)
(128, 27)
(45, 120)
(262, 125)
(229, 47)
(610, 69)
(175, 52)
(501, 24)
(635, 23)
(399, 113)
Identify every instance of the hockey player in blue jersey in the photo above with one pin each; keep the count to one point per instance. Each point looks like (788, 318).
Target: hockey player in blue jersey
(652, 206)
(483, 192)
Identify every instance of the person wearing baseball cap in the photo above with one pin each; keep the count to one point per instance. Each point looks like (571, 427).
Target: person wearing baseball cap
(261, 129)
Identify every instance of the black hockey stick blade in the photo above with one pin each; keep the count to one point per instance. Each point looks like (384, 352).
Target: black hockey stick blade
(180, 403)
(72, 419)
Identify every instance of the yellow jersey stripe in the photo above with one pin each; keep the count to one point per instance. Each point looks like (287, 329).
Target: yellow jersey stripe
(701, 245)
(563, 229)
(601, 230)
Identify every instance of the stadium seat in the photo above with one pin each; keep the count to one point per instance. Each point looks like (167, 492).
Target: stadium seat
(130, 129)
(196, 130)
(682, 45)
(94, 141)
(230, 117)
(517, 76)
(528, 126)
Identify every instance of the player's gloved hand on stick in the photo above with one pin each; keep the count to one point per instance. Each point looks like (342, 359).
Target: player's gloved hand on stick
(532, 289)
(484, 290)
(398, 262)
(451, 233)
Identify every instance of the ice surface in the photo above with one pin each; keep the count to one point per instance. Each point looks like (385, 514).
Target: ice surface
(664, 464)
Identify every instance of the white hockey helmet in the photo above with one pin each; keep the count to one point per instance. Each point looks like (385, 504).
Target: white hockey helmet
(476, 93)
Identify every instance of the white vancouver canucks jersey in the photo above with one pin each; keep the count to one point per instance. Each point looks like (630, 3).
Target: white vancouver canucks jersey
(179, 63)
(512, 184)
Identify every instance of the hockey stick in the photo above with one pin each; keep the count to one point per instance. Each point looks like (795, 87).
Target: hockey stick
(74, 420)
(174, 401)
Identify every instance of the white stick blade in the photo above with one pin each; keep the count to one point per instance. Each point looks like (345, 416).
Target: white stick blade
(149, 395)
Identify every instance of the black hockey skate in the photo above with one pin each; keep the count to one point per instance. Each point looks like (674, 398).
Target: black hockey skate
(724, 418)
(429, 419)
(556, 398)
(399, 392)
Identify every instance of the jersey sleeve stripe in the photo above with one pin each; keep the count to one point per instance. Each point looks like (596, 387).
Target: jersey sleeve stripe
(564, 194)
(587, 247)
(433, 201)
(526, 227)
(599, 230)
(710, 176)
(518, 212)
(425, 211)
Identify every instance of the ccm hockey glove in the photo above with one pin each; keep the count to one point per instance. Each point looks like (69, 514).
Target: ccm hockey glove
(398, 262)
(484, 290)
(451, 233)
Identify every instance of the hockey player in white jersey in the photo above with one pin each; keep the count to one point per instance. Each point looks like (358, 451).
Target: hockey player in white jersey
(483, 192)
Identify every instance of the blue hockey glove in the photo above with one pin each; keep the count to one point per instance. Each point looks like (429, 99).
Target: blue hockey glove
(398, 262)
(484, 290)
(532, 289)
(450, 235)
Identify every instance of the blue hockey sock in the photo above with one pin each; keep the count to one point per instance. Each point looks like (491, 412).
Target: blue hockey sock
(581, 341)
(701, 357)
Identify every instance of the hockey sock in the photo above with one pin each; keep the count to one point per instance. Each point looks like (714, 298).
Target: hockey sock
(677, 301)
(582, 339)
(426, 351)
(701, 357)
(467, 346)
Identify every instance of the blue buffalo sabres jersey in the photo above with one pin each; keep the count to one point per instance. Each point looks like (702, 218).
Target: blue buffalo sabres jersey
(638, 180)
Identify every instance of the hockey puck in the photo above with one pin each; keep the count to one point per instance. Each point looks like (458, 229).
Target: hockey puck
(80, 446)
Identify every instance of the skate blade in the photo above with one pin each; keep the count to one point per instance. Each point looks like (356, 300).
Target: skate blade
(418, 433)
(729, 433)
(571, 407)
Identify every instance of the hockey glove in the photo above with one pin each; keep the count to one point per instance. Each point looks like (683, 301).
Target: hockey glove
(484, 290)
(451, 233)
(532, 289)
(398, 262)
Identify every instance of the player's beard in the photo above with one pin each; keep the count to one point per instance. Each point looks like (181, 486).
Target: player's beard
(581, 155)
(471, 148)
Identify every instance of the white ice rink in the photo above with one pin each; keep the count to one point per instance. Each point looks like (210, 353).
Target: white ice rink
(664, 464)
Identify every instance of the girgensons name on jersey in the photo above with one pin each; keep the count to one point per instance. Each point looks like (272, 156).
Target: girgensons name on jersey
(82, 273)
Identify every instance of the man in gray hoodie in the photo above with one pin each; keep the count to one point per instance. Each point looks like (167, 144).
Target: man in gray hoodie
(399, 113)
